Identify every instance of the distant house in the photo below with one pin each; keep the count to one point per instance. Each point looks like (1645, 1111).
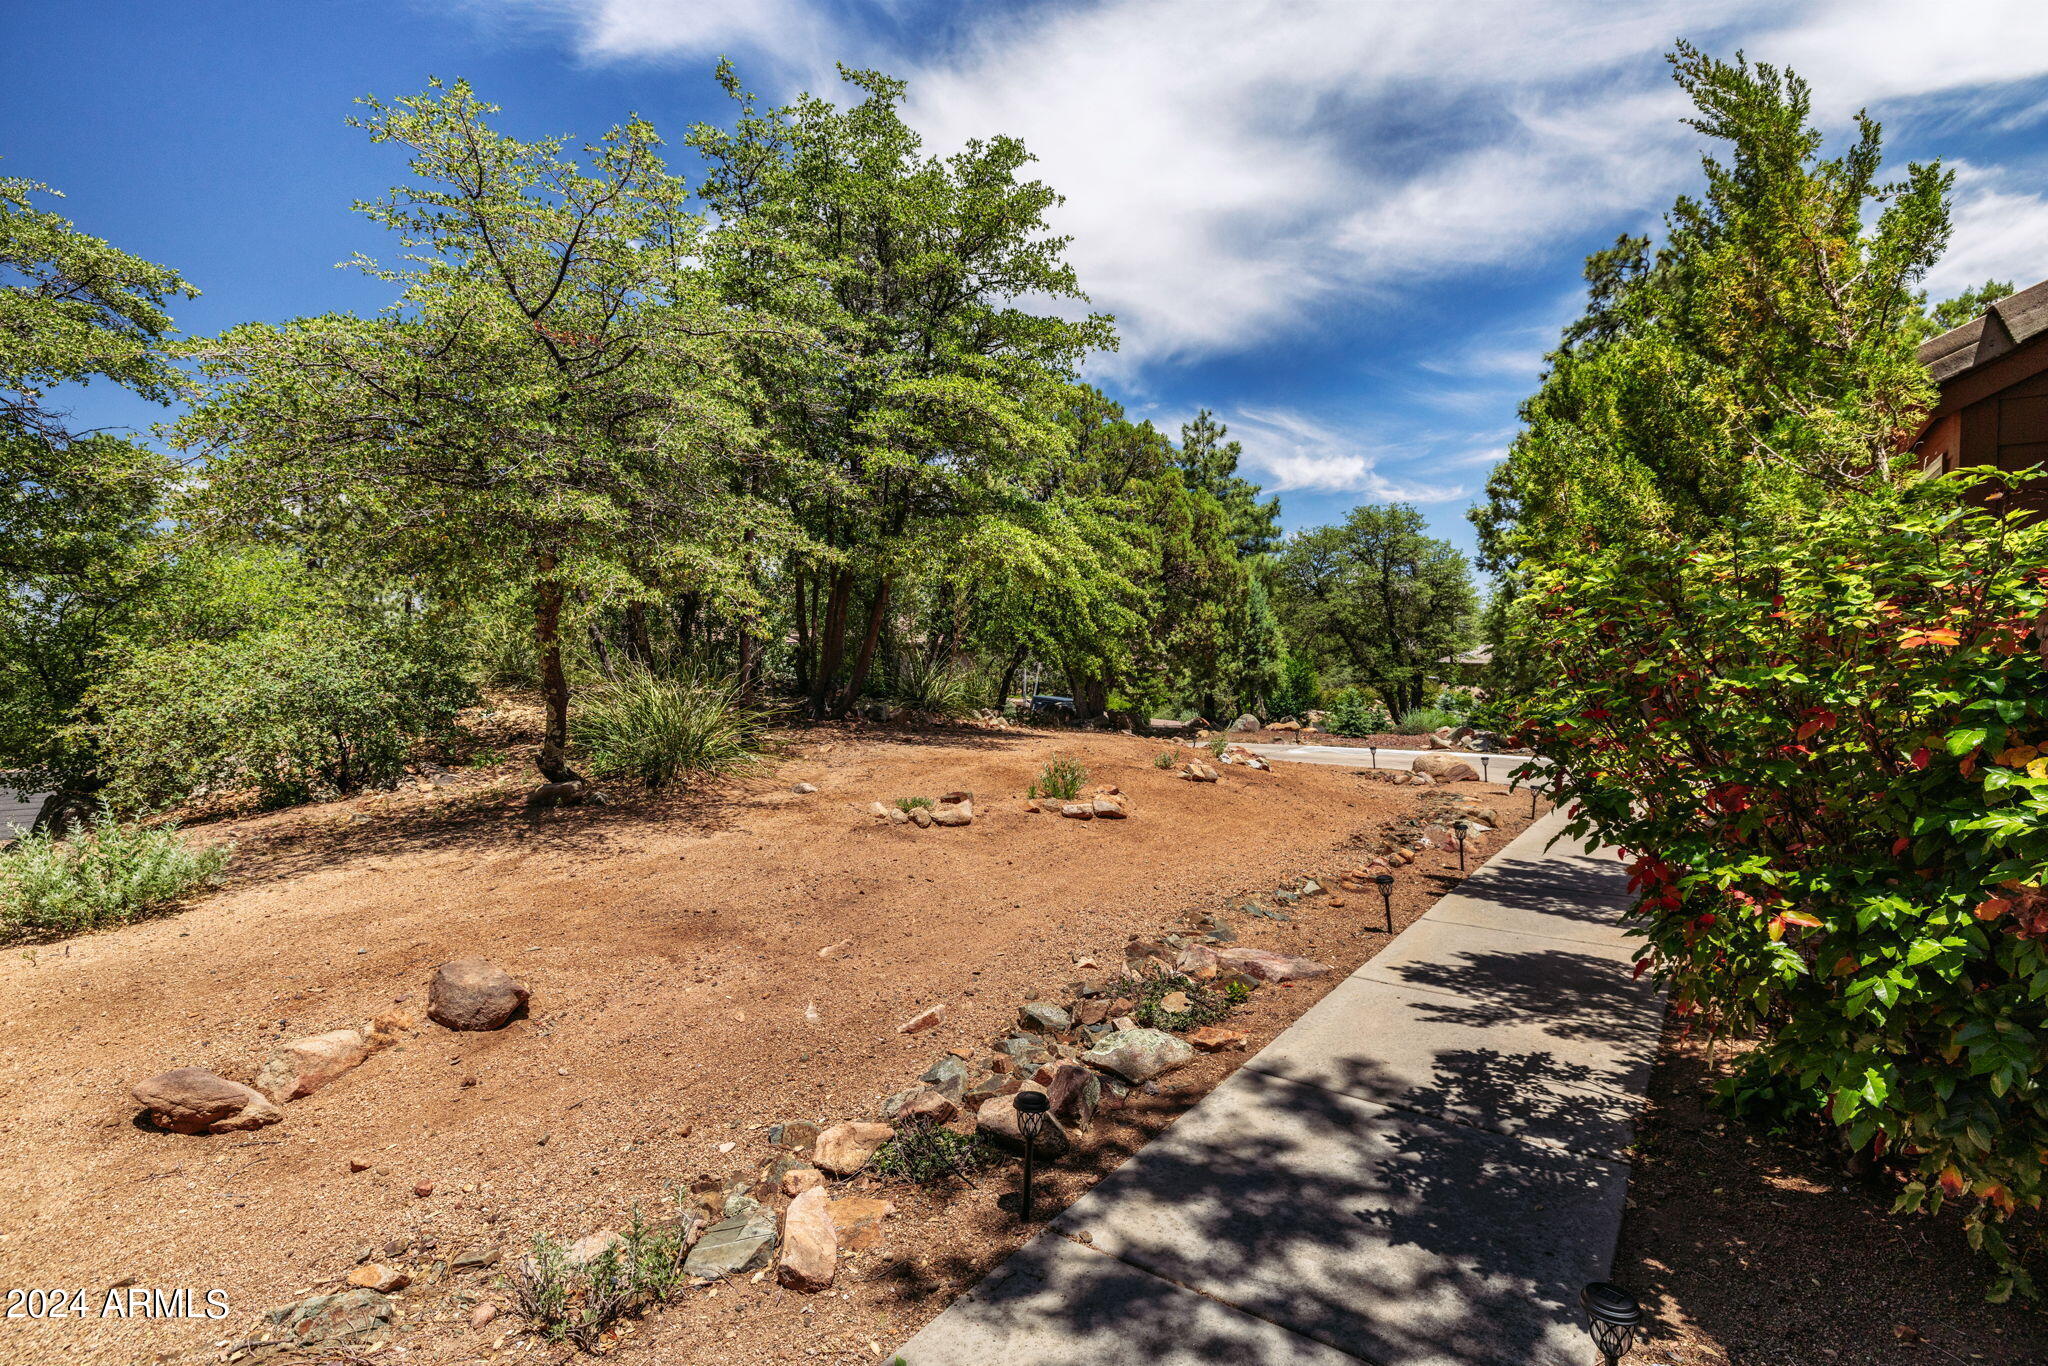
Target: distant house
(1993, 376)
(1467, 666)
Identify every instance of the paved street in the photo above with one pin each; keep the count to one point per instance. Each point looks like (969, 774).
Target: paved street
(1493, 767)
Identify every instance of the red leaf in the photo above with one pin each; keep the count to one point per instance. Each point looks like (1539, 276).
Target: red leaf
(1920, 757)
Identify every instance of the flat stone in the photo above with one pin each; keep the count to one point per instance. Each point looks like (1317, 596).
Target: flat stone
(794, 1133)
(997, 1120)
(1056, 1303)
(1139, 1054)
(800, 1179)
(953, 813)
(949, 1075)
(1215, 1039)
(1400, 1239)
(1045, 1017)
(192, 1100)
(1080, 811)
(350, 1315)
(1271, 967)
(385, 1280)
(844, 1149)
(733, 1245)
(919, 1104)
(931, 1017)
(303, 1066)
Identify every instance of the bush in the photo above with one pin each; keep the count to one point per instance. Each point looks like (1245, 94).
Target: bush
(1422, 720)
(908, 804)
(1060, 780)
(657, 730)
(1827, 757)
(1203, 1006)
(942, 687)
(925, 1153)
(318, 706)
(1299, 689)
(577, 1304)
(1163, 759)
(108, 876)
(1354, 713)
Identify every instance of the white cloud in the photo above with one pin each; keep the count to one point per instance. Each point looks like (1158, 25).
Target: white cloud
(1239, 171)
(2000, 233)
(1289, 451)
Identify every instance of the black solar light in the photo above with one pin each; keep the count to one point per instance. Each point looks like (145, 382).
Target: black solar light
(1375, 755)
(1485, 760)
(1386, 886)
(1532, 801)
(1461, 828)
(1613, 1317)
(1031, 1111)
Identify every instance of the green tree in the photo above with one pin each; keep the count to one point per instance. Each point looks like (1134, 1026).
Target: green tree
(545, 410)
(933, 411)
(1971, 303)
(1207, 459)
(78, 511)
(1378, 598)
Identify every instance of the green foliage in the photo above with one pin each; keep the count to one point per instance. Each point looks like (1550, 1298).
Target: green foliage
(1163, 759)
(1971, 303)
(568, 1303)
(1236, 991)
(938, 687)
(1217, 743)
(1828, 756)
(1422, 720)
(1352, 712)
(1208, 460)
(1204, 1006)
(1379, 598)
(658, 731)
(1059, 780)
(321, 704)
(1300, 689)
(925, 1154)
(106, 876)
(913, 803)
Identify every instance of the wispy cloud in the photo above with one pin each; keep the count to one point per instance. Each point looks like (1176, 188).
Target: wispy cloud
(1289, 451)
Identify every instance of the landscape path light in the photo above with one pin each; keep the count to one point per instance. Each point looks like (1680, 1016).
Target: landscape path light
(1612, 1316)
(1485, 775)
(1031, 1110)
(1461, 828)
(1375, 755)
(1532, 801)
(1386, 886)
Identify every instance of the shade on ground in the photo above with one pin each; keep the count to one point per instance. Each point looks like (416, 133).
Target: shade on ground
(1422, 1170)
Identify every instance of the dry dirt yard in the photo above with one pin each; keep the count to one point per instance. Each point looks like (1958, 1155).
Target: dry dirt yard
(680, 1005)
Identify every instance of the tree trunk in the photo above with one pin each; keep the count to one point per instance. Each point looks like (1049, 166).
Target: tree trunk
(638, 646)
(803, 635)
(867, 648)
(1009, 677)
(547, 643)
(831, 642)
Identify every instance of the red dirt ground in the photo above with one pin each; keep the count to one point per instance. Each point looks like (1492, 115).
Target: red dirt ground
(672, 950)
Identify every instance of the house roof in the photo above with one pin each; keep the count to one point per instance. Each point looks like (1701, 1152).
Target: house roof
(1482, 655)
(2006, 324)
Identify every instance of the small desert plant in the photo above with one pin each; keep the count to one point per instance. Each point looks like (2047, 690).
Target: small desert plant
(1163, 760)
(1060, 780)
(108, 875)
(925, 1153)
(1172, 1001)
(1236, 991)
(1216, 744)
(1422, 720)
(912, 803)
(659, 730)
(942, 687)
(576, 1304)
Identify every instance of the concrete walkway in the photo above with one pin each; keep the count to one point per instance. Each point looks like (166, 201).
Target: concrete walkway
(1497, 768)
(1422, 1170)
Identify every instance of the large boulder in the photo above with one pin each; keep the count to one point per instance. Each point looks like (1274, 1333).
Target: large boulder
(1270, 967)
(474, 994)
(844, 1149)
(1245, 722)
(1138, 1055)
(305, 1065)
(810, 1244)
(1446, 768)
(192, 1100)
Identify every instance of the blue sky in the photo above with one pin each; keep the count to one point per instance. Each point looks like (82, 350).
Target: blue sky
(1350, 228)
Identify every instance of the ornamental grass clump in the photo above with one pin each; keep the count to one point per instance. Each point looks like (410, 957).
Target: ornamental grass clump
(1060, 780)
(657, 731)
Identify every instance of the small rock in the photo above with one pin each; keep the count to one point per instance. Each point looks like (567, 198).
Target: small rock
(481, 1316)
(921, 817)
(1214, 1039)
(1139, 1054)
(1045, 1017)
(949, 1076)
(359, 1164)
(385, 1280)
(857, 1220)
(303, 1066)
(1245, 722)
(1075, 1092)
(802, 1179)
(926, 1104)
(794, 1134)
(334, 1318)
(423, 1189)
(1080, 811)
(844, 1149)
(192, 1100)
(803, 789)
(928, 1018)
(1109, 808)
(997, 1121)
(1199, 772)
(476, 1258)
(474, 994)
(1271, 967)
(898, 816)
(953, 813)
(810, 1244)
(880, 809)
